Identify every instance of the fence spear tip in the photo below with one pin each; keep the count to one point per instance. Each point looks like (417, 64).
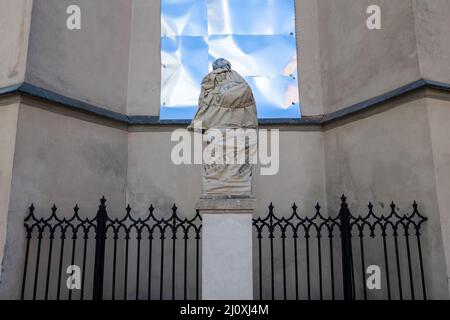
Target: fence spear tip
(318, 206)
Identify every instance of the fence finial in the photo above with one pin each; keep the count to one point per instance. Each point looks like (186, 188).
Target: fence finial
(317, 207)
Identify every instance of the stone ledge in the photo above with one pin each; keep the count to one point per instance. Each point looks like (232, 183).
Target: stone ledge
(226, 205)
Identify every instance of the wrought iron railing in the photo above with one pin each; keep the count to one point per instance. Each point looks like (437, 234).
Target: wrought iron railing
(168, 248)
(296, 256)
(346, 279)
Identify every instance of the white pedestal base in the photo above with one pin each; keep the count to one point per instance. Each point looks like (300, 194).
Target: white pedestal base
(227, 257)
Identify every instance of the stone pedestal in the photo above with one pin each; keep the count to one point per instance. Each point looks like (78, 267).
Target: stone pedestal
(227, 272)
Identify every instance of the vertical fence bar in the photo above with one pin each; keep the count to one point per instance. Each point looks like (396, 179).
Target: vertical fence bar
(72, 259)
(419, 248)
(283, 241)
(74, 240)
(161, 270)
(386, 262)
(100, 237)
(308, 275)
(346, 246)
(61, 256)
(115, 238)
(363, 265)
(319, 249)
(83, 276)
(25, 266)
(271, 229)
(49, 263)
(185, 263)
(174, 239)
(27, 250)
(260, 263)
(125, 278)
(197, 263)
(330, 236)
(408, 251)
(36, 274)
(296, 264)
(150, 246)
(138, 262)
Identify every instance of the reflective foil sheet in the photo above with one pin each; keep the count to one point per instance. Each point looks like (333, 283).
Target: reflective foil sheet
(256, 36)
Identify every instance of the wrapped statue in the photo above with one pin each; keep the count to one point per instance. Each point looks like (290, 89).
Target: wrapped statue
(226, 112)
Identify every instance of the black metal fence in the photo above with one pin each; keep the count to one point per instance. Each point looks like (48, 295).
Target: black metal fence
(133, 258)
(322, 257)
(296, 256)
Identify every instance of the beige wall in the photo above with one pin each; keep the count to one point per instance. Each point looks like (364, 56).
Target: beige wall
(15, 19)
(64, 160)
(90, 64)
(153, 178)
(386, 157)
(308, 56)
(8, 126)
(357, 63)
(433, 42)
(145, 59)
(439, 119)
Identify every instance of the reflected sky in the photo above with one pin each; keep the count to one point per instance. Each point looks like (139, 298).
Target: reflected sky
(256, 36)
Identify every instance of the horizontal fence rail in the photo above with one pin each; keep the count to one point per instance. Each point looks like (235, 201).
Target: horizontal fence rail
(322, 257)
(151, 257)
(118, 258)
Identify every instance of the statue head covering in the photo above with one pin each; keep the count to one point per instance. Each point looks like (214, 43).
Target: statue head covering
(222, 64)
(226, 100)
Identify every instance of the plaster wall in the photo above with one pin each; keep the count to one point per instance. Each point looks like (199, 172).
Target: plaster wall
(90, 64)
(64, 160)
(389, 156)
(439, 117)
(153, 178)
(357, 63)
(433, 42)
(15, 18)
(8, 126)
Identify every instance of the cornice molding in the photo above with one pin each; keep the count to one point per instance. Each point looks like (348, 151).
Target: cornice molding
(29, 90)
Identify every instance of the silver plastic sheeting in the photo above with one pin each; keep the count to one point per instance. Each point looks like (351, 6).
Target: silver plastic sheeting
(256, 36)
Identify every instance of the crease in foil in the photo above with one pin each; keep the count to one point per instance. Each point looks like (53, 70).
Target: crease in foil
(256, 36)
